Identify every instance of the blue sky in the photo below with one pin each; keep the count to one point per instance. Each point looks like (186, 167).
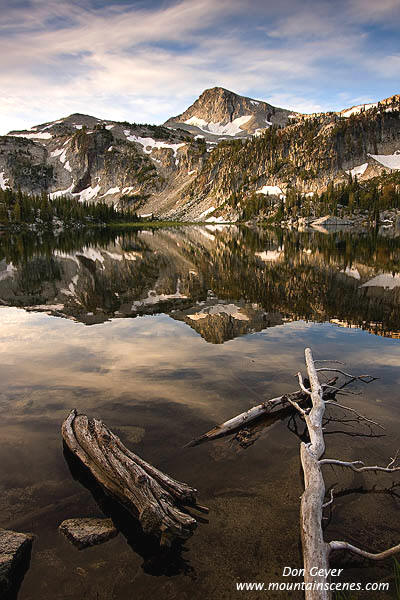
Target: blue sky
(145, 61)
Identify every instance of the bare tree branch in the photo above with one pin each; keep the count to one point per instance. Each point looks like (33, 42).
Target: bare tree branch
(329, 501)
(301, 383)
(353, 465)
(296, 406)
(266, 408)
(315, 550)
(347, 392)
(363, 378)
(320, 360)
(394, 459)
(353, 411)
(337, 545)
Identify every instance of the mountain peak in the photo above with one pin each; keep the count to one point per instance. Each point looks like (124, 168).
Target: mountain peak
(220, 112)
(217, 90)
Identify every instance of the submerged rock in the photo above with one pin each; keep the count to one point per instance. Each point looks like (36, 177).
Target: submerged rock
(14, 558)
(88, 532)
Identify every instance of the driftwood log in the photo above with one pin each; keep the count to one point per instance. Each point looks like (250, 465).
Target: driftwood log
(153, 497)
(269, 407)
(315, 550)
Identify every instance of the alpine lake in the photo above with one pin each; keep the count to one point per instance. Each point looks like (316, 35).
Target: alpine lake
(164, 333)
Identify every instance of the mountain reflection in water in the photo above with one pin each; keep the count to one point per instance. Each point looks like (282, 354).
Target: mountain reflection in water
(162, 335)
(222, 282)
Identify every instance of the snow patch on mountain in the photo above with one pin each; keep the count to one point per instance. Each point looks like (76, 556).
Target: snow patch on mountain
(207, 212)
(357, 171)
(231, 129)
(88, 193)
(8, 272)
(113, 190)
(271, 190)
(60, 193)
(39, 135)
(3, 181)
(61, 153)
(269, 255)
(391, 161)
(355, 110)
(149, 143)
(84, 196)
(385, 280)
(216, 220)
(352, 272)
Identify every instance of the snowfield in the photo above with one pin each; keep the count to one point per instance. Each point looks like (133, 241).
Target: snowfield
(207, 212)
(357, 171)
(88, 193)
(59, 193)
(385, 280)
(231, 129)
(271, 190)
(391, 161)
(62, 154)
(8, 272)
(352, 272)
(39, 135)
(82, 196)
(355, 110)
(3, 181)
(113, 190)
(216, 220)
(149, 143)
(269, 255)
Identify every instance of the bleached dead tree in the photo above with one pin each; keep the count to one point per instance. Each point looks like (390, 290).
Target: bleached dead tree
(316, 551)
(269, 407)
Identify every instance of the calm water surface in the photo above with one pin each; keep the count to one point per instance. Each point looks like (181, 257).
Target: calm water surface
(164, 334)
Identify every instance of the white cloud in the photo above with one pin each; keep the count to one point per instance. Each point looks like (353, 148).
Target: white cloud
(143, 64)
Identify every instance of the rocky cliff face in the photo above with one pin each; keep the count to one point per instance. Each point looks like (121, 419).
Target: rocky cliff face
(219, 114)
(204, 164)
(94, 160)
(306, 155)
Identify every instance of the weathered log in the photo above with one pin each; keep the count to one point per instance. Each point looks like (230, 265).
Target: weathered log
(315, 550)
(271, 406)
(152, 496)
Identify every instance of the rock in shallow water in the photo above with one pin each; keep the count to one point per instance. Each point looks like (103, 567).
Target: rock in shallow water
(88, 532)
(14, 557)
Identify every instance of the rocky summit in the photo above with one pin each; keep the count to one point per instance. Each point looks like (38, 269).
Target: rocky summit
(222, 159)
(220, 114)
